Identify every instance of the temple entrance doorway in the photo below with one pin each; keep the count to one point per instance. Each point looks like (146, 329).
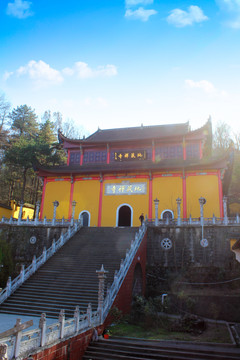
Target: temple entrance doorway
(124, 215)
(85, 216)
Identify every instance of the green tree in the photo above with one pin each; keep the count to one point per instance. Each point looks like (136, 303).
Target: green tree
(24, 121)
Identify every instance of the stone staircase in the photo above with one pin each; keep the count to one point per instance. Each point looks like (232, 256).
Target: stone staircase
(69, 277)
(123, 348)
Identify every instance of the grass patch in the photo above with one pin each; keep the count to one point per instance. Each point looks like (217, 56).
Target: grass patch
(214, 333)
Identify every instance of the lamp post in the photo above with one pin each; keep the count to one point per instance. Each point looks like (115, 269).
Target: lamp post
(178, 200)
(74, 203)
(55, 204)
(20, 212)
(156, 202)
(225, 210)
(202, 201)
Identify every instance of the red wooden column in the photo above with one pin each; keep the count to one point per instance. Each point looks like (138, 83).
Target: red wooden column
(100, 202)
(150, 197)
(43, 197)
(153, 151)
(81, 155)
(184, 191)
(184, 149)
(108, 154)
(220, 193)
(71, 199)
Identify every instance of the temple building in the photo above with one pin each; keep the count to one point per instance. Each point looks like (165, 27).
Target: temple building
(115, 175)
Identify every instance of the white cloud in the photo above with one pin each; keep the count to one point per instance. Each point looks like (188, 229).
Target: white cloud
(83, 71)
(232, 8)
(130, 3)
(7, 75)
(141, 13)
(206, 86)
(19, 9)
(40, 72)
(103, 103)
(181, 18)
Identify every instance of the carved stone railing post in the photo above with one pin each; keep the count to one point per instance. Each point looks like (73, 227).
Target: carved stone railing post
(74, 203)
(3, 352)
(22, 273)
(53, 246)
(89, 314)
(237, 219)
(34, 263)
(202, 201)
(9, 286)
(42, 327)
(20, 212)
(61, 320)
(178, 200)
(55, 204)
(101, 277)
(225, 210)
(18, 339)
(44, 254)
(76, 318)
(37, 212)
(156, 202)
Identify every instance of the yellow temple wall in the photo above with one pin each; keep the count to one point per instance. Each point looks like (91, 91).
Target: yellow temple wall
(167, 190)
(86, 194)
(206, 186)
(110, 203)
(60, 191)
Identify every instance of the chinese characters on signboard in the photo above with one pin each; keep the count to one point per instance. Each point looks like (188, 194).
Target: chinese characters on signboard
(126, 189)
(130, 155)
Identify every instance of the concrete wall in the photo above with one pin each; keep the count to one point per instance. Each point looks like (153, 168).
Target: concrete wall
(184, 248)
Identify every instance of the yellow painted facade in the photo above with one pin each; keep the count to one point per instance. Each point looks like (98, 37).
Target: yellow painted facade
(166, 187)
(206, 186)
(60, 191)
(111, 203)
(27, 212)
(86, 194)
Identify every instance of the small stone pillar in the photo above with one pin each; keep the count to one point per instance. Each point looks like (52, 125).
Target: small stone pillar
(20, 212)
(42, 327)
(202, 201)
(61, 320)
(178, 200)
(156, 202)
(9, 286)
(74, 203)
(22, 273)
(76, 318)
(37, 212)
(55, 204)
(225, 210)
(3, 352)
(101, 277)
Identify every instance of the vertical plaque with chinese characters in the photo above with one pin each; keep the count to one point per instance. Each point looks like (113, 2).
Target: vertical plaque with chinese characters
(126, 189)
(130, 155)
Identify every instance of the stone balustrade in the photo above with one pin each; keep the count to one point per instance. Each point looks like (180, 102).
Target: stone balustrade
(24, 343)
(12, 285)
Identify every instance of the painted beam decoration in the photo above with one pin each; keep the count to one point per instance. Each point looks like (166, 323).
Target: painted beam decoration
(132, 155)
(126, 189)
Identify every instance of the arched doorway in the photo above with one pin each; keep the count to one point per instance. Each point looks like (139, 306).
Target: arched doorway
(137, 289)
(85, 215)
(124, 215)
(167, 214)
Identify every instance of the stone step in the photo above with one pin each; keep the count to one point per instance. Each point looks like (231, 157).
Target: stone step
(140, 349)
(69, 277)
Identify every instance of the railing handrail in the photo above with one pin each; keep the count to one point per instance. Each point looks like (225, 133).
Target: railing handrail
(12, 285)
(121, 273)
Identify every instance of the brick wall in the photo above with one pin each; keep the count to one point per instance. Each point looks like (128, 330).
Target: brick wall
(123, 299)
(69, 349)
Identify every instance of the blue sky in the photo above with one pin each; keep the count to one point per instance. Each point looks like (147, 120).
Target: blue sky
(115, 63)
